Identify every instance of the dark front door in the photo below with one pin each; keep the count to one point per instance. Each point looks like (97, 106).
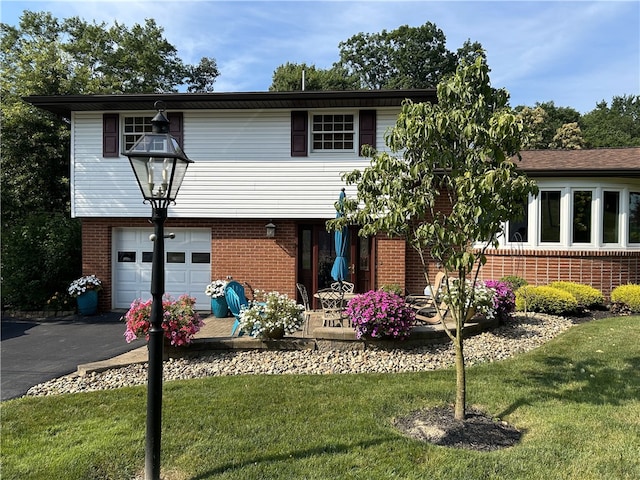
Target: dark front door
(317, 252)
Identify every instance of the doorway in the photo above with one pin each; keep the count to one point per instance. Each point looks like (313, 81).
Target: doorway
(316, 254)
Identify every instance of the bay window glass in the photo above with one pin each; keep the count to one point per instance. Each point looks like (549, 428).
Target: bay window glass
(582, 216)
(518, 228)
(550, 216)
(634, 217)
(610, 217)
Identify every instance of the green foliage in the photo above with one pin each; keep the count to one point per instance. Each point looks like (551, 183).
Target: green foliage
(288, 78)
(628, 295)
(407, 57)
(617, 125)
(586, 295)
(514, 281)
(392, 288)
(545, 299)
(39, 258)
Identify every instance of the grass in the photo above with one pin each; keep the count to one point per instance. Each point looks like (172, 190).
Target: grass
(577, 400)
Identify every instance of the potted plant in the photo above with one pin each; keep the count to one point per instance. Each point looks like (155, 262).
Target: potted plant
(271, 315)
(219, 306)
(380, 314)
(85, 291)
(180, 321)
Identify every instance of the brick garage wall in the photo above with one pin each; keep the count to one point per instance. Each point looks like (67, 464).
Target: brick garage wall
(238, 248)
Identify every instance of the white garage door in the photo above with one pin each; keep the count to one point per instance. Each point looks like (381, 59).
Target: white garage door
(187, 265)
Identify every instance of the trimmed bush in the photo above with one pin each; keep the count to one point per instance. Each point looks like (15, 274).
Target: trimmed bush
(586, 295)
(545, 299)
(628, 295)
(514, 281)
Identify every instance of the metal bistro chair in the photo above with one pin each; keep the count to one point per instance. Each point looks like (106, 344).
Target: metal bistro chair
(345, 287)
(332, 302)
(307, 308)
(236, 299)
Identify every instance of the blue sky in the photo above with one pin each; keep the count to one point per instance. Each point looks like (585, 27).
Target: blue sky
(574, 53)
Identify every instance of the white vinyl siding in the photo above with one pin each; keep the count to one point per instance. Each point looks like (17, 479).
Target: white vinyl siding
(243, 169)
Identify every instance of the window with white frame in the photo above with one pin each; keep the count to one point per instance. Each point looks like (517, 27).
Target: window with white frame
(634, 217)
(133, 129)
(332, 132)
(579, 216)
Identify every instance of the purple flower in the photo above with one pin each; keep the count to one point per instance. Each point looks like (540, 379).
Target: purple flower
(379, 314)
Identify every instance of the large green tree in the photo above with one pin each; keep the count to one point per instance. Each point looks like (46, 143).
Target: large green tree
(617, 125)
(460, 149)
(407, 57)
(289, 78)
(46, 56)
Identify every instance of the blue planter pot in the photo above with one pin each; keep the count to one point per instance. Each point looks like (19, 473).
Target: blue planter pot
(219, 307)
(88, 303)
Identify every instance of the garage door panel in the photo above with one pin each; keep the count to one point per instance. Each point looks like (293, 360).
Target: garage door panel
(187, 265)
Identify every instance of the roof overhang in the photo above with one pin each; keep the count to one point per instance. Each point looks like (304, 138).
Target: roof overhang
(63, 105)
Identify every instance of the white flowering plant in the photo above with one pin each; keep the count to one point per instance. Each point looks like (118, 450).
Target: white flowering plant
(216, 288)
(271, 315)
(84, 284)
(478, 298)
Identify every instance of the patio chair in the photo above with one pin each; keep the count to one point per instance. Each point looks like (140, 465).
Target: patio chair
(425, 305)
(236, 299)
(307, 308)
(345, 287)
(333, 305)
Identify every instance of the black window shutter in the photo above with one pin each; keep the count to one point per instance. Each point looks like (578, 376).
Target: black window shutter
(175, 126)
(367, 129)
(110, 135)
(299, 135)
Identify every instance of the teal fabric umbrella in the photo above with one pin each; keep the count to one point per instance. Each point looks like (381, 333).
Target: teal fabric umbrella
(340, 270)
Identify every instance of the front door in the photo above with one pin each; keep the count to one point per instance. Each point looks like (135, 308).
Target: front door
(317, 253)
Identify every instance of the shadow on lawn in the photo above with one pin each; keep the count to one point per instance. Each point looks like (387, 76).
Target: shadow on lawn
(334, 449)
(587, 381)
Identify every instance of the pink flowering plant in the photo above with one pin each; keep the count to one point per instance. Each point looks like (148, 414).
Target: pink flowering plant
(380, 314)
(180, 320)
(504, 299)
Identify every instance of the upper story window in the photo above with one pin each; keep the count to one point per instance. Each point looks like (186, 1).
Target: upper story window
(133, 128)
(333, 132)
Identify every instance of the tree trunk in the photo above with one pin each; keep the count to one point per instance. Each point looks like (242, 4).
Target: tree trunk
(461, 380)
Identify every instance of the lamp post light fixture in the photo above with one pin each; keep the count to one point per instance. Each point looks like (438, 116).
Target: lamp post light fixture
(159, 165)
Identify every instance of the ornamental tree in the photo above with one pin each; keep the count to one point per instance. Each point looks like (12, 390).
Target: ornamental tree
(458, 152)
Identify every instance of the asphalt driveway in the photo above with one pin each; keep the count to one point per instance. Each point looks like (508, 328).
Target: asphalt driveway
(34, 351)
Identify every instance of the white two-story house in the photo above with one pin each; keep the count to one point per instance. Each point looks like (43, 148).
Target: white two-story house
(277, 158)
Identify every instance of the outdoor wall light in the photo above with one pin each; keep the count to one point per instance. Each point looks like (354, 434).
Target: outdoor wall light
(271, 230)
(159, 165)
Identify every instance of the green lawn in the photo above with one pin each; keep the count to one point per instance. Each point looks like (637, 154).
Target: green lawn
(577, 400)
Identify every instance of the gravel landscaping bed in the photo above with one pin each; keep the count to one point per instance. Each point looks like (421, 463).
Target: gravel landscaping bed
(521, 334)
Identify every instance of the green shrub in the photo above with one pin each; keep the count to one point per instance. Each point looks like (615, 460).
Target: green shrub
(391, 288)
(41, 255)
(545, 299)
(514, 281)
(586, 295)
(628, 295)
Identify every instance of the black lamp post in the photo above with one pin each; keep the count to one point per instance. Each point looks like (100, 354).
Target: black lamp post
(160, 166)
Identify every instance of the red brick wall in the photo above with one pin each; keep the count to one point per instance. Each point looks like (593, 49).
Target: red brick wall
(390, 262)
(238, 248)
